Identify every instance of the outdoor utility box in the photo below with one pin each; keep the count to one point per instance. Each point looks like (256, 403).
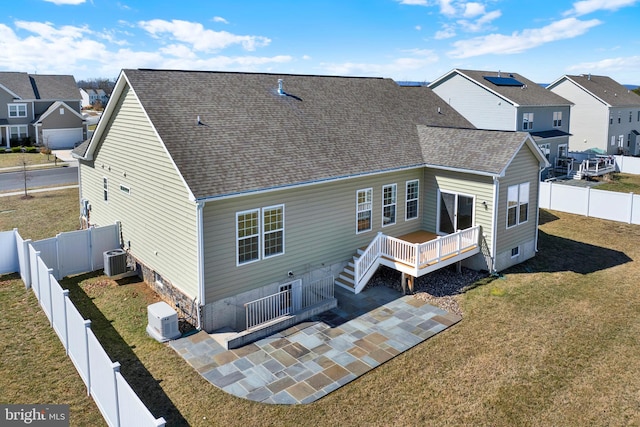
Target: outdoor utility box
(115, 262)
(163, 322)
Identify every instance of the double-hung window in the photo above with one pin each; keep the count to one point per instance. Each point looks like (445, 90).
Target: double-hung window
(557, 119)
(18, 132)
(517, 204)
(273, 230)
(389, 197)
(364, 203)
(105, 189)
(17, 110)
(527, 121)
(260, 233)
(413, 191)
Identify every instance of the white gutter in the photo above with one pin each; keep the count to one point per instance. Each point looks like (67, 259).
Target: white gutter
(201, 288)
(494, 222)
(303, 184)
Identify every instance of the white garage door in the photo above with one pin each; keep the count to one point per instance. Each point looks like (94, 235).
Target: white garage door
(61, 138)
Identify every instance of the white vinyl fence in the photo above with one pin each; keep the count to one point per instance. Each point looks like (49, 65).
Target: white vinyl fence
(621, 207)
(628, 164)
(73, 253)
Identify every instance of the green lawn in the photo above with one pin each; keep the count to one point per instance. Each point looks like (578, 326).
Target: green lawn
(621, 183)
(552, 342)
(8, 160)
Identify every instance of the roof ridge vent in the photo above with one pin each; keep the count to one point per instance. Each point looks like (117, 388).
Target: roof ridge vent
(280, 87)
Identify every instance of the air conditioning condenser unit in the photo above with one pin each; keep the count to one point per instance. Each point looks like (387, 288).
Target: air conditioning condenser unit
(163, 322)
(115, 262)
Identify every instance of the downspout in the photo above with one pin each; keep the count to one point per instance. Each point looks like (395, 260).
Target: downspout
(538, 210)
(200, 298)
(494, 222)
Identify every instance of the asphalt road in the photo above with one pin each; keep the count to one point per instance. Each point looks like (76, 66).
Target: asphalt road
(14, 181)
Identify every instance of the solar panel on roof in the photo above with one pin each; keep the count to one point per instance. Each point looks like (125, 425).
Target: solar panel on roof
(503, 81)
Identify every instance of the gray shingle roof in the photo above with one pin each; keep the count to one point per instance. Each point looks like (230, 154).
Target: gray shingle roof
(487, 151)
(532, 94)
(40, 86)
(608, 90)
(251, 138)
(18, 83)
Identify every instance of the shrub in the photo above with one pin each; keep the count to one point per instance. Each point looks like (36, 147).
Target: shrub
(45, 150)
(31, 150)
(16, 149)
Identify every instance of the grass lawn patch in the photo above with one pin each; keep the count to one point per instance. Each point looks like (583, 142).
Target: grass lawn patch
(9, 160)
(35, 367)
(42, 215)
(621, 183)
(552, 341)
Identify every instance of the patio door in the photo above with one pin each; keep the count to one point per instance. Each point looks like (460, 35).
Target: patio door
(455, 212)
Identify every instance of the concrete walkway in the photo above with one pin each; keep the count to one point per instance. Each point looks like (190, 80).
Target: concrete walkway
(37, 190)
(310, 360)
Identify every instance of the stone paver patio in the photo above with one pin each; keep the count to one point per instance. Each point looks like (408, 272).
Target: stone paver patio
(313, 358)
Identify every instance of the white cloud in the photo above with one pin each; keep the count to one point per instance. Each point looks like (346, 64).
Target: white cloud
(44, 48)
(418, 28)
(198, 37)
(519, 42)
(70, 2)
(397, 68)
(607, 66)
(446, 8)
(447, 32)
(414, 2)
(481, 23)
(588, 6)
(472, 9)
(220, 19)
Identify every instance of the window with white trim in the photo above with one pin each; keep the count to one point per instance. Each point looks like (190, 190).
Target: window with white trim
(260, 234)
(273, 231)
(562, 150)
(125, 189)
(515, 251)
(527, 121)
(17, 110)
(248, 233)
(389, 196)
(557, 119)
(413, 194)
(364, 204)
(105, 188)
(546, 150)
(517, 204)
(18, 132)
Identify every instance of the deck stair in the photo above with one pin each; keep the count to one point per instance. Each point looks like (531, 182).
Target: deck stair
(410, 257)
(346, 279)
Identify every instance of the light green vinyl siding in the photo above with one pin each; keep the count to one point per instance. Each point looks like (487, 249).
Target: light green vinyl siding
(157, 217)
(523, 168)
(456, 182)
(319, 229)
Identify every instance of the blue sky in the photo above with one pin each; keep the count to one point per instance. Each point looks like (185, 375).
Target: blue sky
(417, 40)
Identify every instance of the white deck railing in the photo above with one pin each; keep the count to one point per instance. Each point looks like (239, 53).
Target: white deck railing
(287, 302)
(415, 255)
(597, 166)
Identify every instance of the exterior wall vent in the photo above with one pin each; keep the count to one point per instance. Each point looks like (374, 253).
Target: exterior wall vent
(115, 262)
(163, 322)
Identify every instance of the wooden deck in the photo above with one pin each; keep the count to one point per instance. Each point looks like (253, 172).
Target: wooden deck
(419, 236)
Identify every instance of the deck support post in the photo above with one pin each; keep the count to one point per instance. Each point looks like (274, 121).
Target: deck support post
(459, 267)
(407, 280)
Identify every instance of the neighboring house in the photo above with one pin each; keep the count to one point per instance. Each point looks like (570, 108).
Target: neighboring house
(270, 181)
(85, 102)
(41, 110)
(605, 115)
(96, 95)
(509, 101)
